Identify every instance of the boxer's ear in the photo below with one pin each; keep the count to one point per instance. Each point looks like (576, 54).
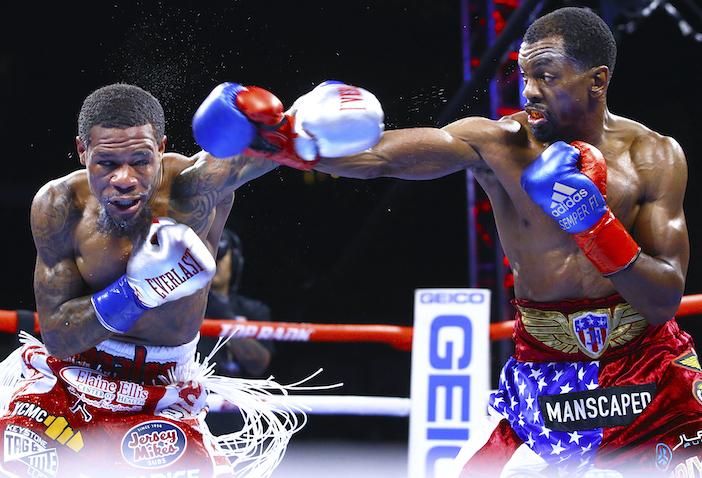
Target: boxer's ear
(81, 148)
(599, 80)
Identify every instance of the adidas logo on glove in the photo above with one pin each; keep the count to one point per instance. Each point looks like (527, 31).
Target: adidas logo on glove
(566, 208)
(564, 198)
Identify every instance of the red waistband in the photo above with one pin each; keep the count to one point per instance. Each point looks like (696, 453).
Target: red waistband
(569, 306)
(548, 331)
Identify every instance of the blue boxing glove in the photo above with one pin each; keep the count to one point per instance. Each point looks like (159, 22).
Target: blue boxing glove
(171, 263)
(219, 126)
(569, 182)
(554, 182)
(249, 120)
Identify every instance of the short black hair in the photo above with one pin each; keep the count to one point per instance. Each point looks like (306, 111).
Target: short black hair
(586, 37)
(120, 106)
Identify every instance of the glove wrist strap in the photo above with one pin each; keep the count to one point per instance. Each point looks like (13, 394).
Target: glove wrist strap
(117, 307)
(608, 245)
(278, 146)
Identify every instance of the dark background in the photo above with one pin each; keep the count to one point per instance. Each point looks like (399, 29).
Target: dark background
(317, 248)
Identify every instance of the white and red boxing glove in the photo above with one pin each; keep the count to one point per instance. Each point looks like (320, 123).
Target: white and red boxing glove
(576, 198)
(171, 263)
(336, 119)
(332, 120)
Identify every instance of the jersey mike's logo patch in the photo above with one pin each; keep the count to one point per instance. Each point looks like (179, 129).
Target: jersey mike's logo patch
(153, 444)
(592, 333)
(599, 408)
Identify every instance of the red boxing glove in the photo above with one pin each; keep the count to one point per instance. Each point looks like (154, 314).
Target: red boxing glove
(274, 138)
(607, 244)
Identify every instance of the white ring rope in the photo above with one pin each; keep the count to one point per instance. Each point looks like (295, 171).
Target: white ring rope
(328, 404)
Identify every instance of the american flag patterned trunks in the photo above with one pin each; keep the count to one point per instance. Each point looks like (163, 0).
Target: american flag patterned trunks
(592, 386)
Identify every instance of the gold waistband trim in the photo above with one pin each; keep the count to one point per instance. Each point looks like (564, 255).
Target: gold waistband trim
(597, 329)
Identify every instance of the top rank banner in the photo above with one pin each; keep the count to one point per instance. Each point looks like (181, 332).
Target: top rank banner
(450, 376)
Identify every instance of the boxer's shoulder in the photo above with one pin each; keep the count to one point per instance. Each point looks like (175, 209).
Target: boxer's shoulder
(501, 144)
(175, 166)
(625, 134)
(56, 212)
(484, 133)
(645, 151)
(64, 197)
(175, 163)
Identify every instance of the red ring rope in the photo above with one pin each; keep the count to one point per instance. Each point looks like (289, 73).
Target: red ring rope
(399, 337)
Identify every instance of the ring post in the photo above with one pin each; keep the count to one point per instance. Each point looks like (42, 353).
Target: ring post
(450, 376)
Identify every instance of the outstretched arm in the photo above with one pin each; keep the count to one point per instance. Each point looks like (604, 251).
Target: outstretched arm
(244, 133)
(415, 153)
(227, 124)
(208, 182)
(655, 283)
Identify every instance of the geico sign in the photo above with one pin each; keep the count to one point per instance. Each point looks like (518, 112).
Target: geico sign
(447, 331)
(452, 298)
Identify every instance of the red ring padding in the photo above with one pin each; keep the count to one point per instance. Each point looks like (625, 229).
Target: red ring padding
(689, 305)
(399, 337)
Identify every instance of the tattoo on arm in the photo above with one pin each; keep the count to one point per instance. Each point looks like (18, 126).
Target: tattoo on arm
(201, 187)
(53, 215)
(59, 288)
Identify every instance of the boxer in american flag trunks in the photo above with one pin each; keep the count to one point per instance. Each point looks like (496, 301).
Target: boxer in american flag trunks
(622, 396)
(588, 205)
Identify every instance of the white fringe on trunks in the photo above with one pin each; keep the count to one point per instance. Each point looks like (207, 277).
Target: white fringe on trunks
(256, 449)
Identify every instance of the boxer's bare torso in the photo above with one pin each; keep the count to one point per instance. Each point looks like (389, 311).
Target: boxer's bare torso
(127, 172)
(646, 180)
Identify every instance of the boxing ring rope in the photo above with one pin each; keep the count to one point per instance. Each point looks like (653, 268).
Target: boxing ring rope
(399, 337)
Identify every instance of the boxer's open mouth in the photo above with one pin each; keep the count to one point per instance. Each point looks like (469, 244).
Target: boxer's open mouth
(125, 205)
(535, 117)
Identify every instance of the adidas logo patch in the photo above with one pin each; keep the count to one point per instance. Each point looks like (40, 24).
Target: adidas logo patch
(565, 198)
(561, 192)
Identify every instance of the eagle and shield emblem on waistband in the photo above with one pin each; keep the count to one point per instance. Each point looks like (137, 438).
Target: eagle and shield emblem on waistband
(592, 331)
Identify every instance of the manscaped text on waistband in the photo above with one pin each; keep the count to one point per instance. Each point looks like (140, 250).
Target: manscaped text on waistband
(599, 408)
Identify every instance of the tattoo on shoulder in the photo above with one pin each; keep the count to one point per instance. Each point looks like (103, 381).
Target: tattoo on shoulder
(53, 215)
(197, 191)
(193, 197)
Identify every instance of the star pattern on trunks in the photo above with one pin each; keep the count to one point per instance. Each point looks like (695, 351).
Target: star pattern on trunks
(521, 383)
